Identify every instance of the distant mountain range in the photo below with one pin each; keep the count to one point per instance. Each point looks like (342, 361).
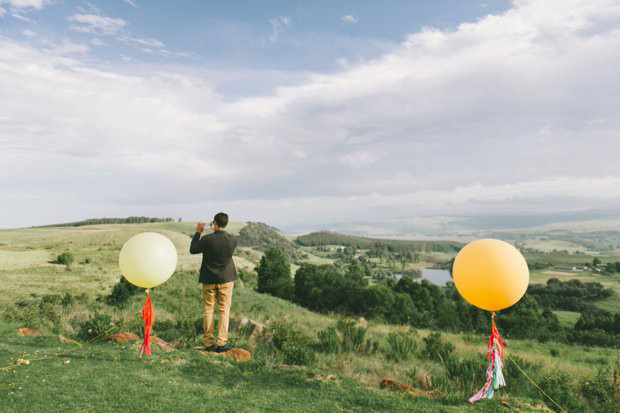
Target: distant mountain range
(470, 227)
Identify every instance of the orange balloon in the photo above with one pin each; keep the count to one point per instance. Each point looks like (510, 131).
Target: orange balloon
(490, 274)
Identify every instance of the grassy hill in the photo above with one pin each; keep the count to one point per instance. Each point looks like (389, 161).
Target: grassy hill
(37, 293)
(261, 237)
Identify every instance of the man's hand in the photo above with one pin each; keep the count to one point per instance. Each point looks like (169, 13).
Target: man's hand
(200, 226)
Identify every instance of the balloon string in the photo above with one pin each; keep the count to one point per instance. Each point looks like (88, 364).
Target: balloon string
(534, 383)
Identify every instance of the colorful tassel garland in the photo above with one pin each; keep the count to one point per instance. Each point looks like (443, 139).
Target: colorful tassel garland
(495, 376)
(147, 317)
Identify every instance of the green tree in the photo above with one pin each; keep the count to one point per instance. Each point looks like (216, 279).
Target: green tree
(274, 275)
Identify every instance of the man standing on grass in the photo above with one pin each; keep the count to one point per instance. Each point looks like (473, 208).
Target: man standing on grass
(217, 275)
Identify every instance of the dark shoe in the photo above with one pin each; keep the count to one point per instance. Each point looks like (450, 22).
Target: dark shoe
(221, 349)
(212, 347)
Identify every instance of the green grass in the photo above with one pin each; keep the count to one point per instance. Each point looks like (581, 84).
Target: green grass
(567, 318)
(108, 377)
(112, 378)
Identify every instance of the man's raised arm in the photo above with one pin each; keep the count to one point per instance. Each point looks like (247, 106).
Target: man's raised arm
(196, 246)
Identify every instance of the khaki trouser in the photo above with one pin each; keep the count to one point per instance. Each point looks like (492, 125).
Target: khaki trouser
(224, 300)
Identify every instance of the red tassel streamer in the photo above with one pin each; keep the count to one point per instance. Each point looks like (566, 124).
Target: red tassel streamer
(495, 336)
(495, 376)
(147, 317)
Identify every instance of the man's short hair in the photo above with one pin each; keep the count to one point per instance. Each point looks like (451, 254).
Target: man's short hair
(221, 219)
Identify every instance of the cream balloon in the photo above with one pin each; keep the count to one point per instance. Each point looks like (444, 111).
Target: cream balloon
(148, 259)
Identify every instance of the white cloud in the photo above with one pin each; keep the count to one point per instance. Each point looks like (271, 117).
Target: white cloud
(358, 159)
(513, 112)
(278, 26)
(21, 17)
(2, 11)
(96, 24)
(26, 4)
(138, 41)
(97, 41)
(132, 3)
(68, 47)
(29, 33)
(350, 19)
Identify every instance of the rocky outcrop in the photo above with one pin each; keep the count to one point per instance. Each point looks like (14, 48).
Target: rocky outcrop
(394, 385)
(253, 327)
(320, 377)
(64, 339)
(237, 354)
(29, 332)
(123, 337)
(162, 344)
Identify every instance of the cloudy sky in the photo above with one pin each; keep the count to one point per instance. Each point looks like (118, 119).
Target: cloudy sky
(307, 112)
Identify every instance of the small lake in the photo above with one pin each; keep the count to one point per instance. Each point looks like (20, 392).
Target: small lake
(434, 276)
(437, 277)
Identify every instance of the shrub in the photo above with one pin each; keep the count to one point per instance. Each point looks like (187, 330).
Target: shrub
(166, 329)
(66, 258)
(183, 329)
(266, 354)
(472, 339)
(35, 313)
(519, 384)
(67, 299)
(346, 337)
(48, 299)
(95, 327)
(122, 291)
(352, 335)
(435, 348)
(248, 277)
(554, 352)
(296, 347)
(466, 374)
(329, 342)
(560, 387)
(402, 345)
(599, 391)
(413, 375)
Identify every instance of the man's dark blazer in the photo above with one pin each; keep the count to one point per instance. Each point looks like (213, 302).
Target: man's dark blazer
(217, 251)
